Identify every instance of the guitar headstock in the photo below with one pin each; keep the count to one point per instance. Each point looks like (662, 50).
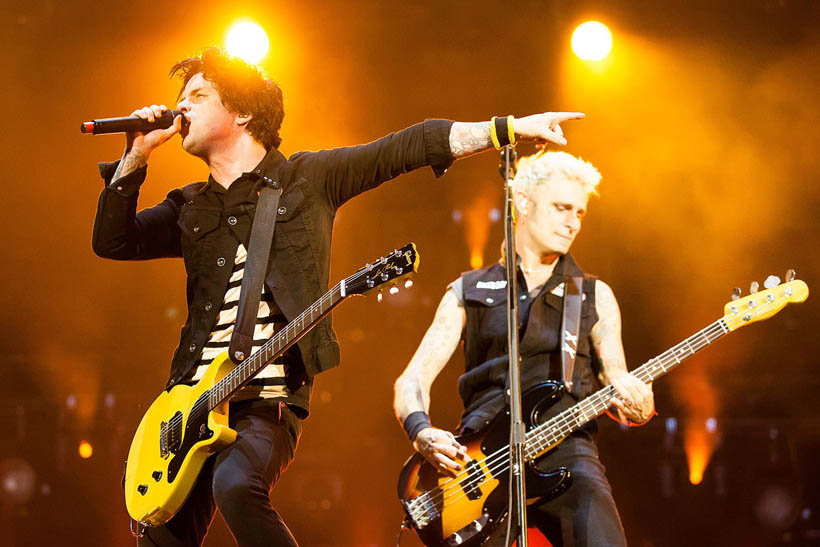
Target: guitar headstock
(400, 264)
(764, 304)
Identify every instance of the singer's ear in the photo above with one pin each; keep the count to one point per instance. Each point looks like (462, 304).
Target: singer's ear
(243, 119)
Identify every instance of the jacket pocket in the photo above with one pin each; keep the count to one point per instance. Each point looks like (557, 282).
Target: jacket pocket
(195, 224)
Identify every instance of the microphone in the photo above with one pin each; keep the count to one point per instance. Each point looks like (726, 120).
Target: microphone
(129, 123)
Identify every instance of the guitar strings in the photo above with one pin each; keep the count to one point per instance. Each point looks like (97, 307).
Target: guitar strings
(718, 329)
(256, 356)
(175, 421)
(562, 420)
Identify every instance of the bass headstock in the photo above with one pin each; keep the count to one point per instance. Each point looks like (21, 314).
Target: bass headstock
(760, 305)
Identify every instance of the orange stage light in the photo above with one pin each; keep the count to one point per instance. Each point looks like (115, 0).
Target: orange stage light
(476, 260)
(248, 41)
(85, 450)
(592, 41)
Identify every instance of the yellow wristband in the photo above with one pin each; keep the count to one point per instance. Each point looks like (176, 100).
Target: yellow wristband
(494, 135)
(510, 132)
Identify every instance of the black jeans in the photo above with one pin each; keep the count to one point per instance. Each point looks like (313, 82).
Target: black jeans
(238, 481)
(583, 516)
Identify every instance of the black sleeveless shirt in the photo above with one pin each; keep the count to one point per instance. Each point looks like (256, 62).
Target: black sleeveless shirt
(483, 386)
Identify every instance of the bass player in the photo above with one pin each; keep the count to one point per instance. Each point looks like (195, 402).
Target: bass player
(551, 192)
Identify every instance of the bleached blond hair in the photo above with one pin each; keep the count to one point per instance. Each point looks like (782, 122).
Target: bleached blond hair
(541, 167)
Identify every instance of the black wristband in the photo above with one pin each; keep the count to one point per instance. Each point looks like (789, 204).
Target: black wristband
(415, 422)
(501, 131)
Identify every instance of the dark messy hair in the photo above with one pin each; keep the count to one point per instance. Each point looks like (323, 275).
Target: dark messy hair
(243, 90)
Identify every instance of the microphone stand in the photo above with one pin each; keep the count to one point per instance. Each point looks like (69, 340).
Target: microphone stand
(518, 495)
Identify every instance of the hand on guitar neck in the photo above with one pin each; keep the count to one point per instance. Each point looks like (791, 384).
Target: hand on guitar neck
(635, 402)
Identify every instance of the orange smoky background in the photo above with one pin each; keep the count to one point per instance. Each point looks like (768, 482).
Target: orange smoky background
(703, 121)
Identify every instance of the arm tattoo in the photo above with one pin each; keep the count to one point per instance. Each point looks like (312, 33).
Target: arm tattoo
(412, 388)
(130, 162)
(469, 138)
(606, 333)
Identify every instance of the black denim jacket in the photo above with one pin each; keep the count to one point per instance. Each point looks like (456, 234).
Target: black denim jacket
(188, 224)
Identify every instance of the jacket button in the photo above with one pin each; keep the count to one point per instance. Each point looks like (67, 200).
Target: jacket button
(196, 229)
(208, 306)
(220, 261)
(283, 210)
(523, 297)
(275, 184)
(232, 220)
(192, 348)
(489, 300)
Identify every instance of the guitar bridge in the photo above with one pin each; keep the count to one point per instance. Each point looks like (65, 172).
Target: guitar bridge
(421, 511)
(163, 440)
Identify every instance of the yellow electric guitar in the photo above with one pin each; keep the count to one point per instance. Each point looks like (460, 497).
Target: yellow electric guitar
(187, 424)
(464, 510)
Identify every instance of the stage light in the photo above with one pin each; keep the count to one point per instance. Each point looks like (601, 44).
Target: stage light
(247, 41)
(476, 260)
(592, 41)
(17, 481)
(85, 450)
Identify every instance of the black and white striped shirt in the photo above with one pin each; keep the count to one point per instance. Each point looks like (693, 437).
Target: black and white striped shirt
(270, 382)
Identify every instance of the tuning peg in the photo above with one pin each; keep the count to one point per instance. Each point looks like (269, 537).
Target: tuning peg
(771, 282)
(754, 287)
(408, 283)
(379, 296)
(789, 275)
(736, 292)
(394, 290)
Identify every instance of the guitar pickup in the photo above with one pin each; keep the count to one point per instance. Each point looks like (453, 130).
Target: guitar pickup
(474, 478)
(170, 435)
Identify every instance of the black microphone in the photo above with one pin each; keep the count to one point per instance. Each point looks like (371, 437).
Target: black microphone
(130, 123)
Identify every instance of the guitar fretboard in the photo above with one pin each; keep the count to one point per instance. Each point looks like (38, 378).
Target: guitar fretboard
(543, 437)
(276, 346)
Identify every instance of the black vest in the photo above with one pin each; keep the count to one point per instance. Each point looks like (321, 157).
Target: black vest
(483, 385)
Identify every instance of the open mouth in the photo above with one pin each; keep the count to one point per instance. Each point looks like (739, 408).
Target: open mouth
(184, 129)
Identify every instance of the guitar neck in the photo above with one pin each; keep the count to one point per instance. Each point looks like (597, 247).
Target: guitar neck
(557, 428)
(276, 346)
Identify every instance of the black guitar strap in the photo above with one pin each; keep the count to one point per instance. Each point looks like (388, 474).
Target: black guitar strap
(570, 326)
(256, 265)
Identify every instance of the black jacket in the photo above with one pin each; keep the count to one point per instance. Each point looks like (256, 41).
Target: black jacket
(188, 224)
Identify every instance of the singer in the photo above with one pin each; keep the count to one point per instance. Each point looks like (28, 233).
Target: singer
(231, 118)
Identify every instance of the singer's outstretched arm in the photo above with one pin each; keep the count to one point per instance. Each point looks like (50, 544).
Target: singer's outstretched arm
(470, 138)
